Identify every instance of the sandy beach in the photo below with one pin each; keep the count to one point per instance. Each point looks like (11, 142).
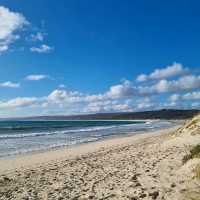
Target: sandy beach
(99, 100)
(145, 166)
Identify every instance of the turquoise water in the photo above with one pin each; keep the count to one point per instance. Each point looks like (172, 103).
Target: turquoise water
(19, 137)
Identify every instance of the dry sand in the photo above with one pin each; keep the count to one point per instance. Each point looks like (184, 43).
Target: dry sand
(146, 166)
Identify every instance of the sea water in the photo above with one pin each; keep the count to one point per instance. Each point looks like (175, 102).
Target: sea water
(20, 137)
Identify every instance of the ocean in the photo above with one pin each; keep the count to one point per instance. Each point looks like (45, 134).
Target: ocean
(20, 137)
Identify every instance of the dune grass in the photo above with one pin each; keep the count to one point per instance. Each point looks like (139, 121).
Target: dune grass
(197, 171)
(194, 153)
(192, 196)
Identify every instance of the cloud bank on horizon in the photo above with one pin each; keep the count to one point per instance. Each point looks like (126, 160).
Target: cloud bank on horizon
(173, 86)
(128, 96)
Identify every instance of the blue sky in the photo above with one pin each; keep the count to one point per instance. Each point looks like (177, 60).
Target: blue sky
(88, 56)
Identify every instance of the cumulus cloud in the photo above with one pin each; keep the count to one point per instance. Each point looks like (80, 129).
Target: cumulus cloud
(58, 95)
(125, 96)
(190, 96)
(64, 96)
(10, 23)
(174, 105)
(195, 105)
(42, 49)
(36, 77)
(10, 84)
(95, 97)
(188, 82)
(142, 77)
(106, 102)
(144, 104)
(170, 71)
(90, 103)
(18, 102)
(125, 89)
(174, 97)
(61, 96)
(107, 106)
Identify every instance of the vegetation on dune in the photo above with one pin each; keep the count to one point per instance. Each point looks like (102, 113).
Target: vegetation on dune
(197, 171)
(192, 128)
(192, 196)
(194, 153)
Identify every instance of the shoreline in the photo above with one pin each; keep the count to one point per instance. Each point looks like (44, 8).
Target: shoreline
(146, 166)
(42, 157)
(28, 142)
(109, 137)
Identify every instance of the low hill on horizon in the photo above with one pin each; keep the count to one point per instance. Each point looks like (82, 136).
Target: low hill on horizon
(169, 114)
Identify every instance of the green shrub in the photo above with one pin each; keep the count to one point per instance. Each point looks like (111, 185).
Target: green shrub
(195, 151)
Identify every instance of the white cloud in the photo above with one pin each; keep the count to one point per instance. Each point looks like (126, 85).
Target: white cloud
(188, 82)
(42, 49)
(122, 90)
(144, 104)
(195, 105)
(10, 22)
(174, 97)
(127, 90)
(162, 86)
(18, 102)
(192, 96)
(118, 98)
(10, 84)
(64, 96)
(36, 77)
(142, 77)
(61, 96)
(58, 95)
(95, 97)
(90, 103)
(185, 97)
(170, 71)
(107, 106)
(39, 36)
(173, 105)
(61, 86)
(3, 47)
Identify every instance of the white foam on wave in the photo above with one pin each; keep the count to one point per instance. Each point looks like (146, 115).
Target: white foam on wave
(14, 146)
(22, 135)
(146, 125)
(48, 147)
